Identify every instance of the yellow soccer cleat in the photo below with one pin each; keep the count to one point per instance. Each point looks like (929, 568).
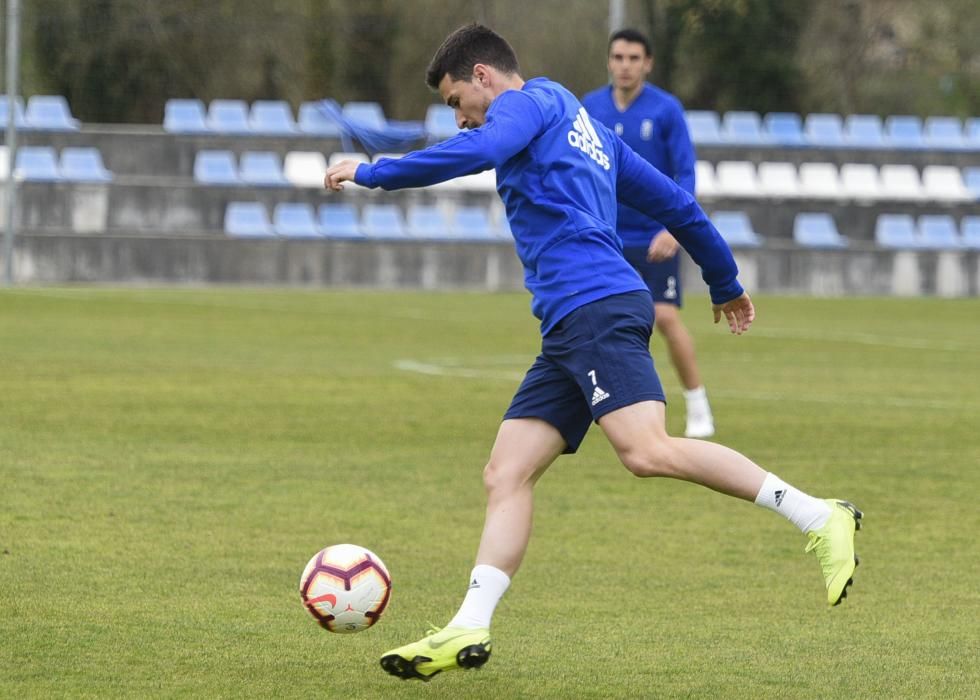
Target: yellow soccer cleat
(440, 650)
(834, 545)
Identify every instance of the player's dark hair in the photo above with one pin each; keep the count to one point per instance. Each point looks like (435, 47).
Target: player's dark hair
(464, 48)
(633, 36)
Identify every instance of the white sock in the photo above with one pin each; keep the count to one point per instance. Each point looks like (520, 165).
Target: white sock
(487, 586)
(806, 512)
(697, 402)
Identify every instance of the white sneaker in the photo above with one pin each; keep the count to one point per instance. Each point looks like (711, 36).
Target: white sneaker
(700, 423)
(699, 427)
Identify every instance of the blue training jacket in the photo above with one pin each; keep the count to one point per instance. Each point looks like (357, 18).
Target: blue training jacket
(652, 125)
(560, 174)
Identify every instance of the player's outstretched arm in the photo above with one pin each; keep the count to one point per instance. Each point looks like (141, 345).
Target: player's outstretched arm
(739, 312)
(339, 173)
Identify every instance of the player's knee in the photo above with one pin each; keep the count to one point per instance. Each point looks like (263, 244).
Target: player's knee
(649, 460)
(501, 476)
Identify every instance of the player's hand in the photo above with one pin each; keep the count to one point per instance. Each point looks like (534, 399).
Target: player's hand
(662, 247)
(337, 174)
(739, 312)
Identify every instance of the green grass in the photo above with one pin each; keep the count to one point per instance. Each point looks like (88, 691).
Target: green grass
(170, 459)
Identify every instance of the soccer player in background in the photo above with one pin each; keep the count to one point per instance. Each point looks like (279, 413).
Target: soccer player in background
(560, 175)
(651, 122)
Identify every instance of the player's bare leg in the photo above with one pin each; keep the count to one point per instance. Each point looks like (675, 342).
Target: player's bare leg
(680, 346)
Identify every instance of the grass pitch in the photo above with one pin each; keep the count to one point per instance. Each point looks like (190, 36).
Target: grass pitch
(170, 459)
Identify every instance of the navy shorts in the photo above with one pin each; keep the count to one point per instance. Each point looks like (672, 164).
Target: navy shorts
(663, 279)
(595, 360)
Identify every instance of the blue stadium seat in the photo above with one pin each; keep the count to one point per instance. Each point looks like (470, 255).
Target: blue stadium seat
(938, 232)
(736, 228)
(944, 133)
(904, 131)
(295, 221)
(339, 221)
(368, 114)
(262, 168)
(19, 121)
(83, 165)
(228, 117)
(864, 131)
(216, 168)
(970, 232)
(971, 178)
(382, 221)
(743, 129)
(971, 133)
(247, 220)
(472, 223)
(312, 120)
(185, 117)
(49, 113)
(426, 221)
(37, 164)
(272, 118)
(785, 128)
(896, 231)
(705, 127)
(824, 130)
(817, 230)
(440, 122)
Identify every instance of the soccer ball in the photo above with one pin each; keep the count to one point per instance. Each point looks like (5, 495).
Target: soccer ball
(345, 587)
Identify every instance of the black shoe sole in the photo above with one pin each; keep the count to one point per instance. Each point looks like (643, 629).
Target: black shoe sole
(472, 656)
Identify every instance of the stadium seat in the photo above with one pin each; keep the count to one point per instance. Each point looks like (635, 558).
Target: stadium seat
(896, 231)
(216, 168)
(944, 183)
(292, 220)
(367, 114)
(864, 131)
(472, 223)
(970, 232)
(305, 168)
(904, 131)
(440, 122)
(900, 182)
(83, 165)
(247, 220)
(817, 230)
(185, 117)
(37, 164)
(427, 221)
(743, 129)
(4, 163)
(784, 129)
(18, 112)
(779, 180)
(737, 179)
(382, 221)
(971, 178)
(705, 127)
(705, 184)
(49, 113)
(938, 232)
(272, 118)
(314, 121)
(228, 117)
(262, 168)
(944, 133)
(339, 221)
(820, 181)
(971, 133)
(860, 181)
(824, 130)
(736, 228)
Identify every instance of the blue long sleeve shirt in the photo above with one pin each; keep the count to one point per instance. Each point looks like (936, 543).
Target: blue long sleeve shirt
(560, 174)
(652, 125)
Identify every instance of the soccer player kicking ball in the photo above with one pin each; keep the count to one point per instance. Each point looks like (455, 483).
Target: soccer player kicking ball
(560, 175)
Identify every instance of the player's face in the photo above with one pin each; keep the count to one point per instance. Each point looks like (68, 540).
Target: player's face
(470, 99)
(629, 64)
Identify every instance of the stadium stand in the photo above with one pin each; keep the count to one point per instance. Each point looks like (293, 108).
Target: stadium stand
(900, 182)
(368, 114)
(440, 123)
(262, 168)
(4, 163)
(904, 131)
(736, 228)
(944, 133)
(216, 168)
(228, 117)
(295, 220)
(183, 116)
(19, 120)
(339, 221)
(314, 121)
(896, 231)
(784, 129)
(970, 232)
(271, 118)
(737, 179)
(944, 183)
(705, 184)
(779, 180)
(305, 168)
(472, 223)
(743, 129)
(426, 221)
(824, 130)
(971, 133)
(37, 164)
(817, 230)
(864, 131)
(49, 113)
(971, 179)
(938, 232)
(382, 221)
(705, 127)
(247, 220)
(860, 181)
(83, 164)
(820, 181)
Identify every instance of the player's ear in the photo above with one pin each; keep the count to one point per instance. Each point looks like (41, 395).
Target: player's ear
(481, 74)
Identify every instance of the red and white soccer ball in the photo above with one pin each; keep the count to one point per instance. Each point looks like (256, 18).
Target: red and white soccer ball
(345, 587)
